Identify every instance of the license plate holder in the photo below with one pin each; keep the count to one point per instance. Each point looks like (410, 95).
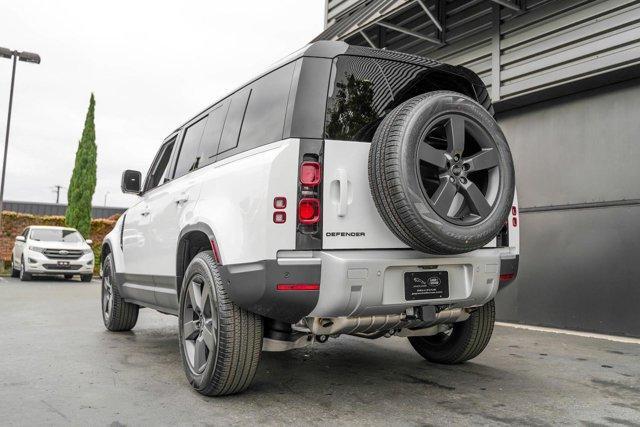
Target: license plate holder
(421, 285)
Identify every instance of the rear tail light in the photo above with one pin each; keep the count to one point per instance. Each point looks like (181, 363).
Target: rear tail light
(309, 211)
(298, 287)
(507, 277)
(310, 174)
(279, 202)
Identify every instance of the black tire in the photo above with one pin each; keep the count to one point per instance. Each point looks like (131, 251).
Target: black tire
(68, 276)
(465, 341)
(231, 352)
(399, 174)
(14, 271)
(24, 276)
(117, 314)
(85, 277)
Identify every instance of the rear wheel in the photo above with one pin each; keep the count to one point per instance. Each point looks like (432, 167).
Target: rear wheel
(117, 314)
(464, 341)
(220, 343)
(14, 271)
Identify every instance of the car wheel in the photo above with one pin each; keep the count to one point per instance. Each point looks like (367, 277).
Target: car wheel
(464, 341)
(86, 277)
(220, 343)
(68, 276)
(24, 276)
(117, 314)
(441, 173)
(14, 271)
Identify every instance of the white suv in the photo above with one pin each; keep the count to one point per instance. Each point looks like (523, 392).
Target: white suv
(345, 191)
(48, 251)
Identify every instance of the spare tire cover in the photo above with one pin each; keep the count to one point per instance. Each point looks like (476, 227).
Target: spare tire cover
(441, 173)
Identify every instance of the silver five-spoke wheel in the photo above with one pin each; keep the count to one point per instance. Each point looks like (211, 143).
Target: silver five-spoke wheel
(200, 324)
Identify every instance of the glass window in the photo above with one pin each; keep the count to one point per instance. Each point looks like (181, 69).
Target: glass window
(264, 119)
(159, 169)
(237, 107)
(55, 235)
(188, 157)
(358, 99)
(213, 132)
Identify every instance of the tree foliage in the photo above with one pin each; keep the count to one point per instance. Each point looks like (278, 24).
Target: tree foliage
(83, 180)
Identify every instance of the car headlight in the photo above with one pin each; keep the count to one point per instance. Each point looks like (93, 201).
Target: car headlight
(87, 251)
(36, 249)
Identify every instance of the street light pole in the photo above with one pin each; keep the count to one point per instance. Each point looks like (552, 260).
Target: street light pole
(6, 138)
(25, 57)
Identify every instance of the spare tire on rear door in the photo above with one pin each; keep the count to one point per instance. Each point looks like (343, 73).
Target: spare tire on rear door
(441, 173)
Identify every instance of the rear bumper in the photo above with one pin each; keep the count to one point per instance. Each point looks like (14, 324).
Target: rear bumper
(358, 282)
(363, 283)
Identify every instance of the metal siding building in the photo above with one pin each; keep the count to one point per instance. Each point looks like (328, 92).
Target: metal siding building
(564, 76)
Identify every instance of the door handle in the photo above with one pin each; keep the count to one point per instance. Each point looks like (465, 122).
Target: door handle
(182, 198)
(145, 213)
(344, 192)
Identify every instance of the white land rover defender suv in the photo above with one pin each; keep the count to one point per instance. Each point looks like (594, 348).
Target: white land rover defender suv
(346, 190)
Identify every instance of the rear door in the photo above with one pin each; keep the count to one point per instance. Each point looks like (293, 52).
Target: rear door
(359, 96)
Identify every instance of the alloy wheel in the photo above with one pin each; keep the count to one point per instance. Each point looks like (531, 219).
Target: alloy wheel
(458, 169)
(107, 296)
(200, 324)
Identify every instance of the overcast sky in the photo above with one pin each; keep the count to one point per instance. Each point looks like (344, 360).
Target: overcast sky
(151, 64)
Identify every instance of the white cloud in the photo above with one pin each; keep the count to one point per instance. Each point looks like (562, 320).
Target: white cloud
(151, 65)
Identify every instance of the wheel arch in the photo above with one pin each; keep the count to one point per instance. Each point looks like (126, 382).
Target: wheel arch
(106, 250)
(193, 239)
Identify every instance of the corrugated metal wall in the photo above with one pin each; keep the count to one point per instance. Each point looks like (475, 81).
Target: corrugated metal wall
(37, 208)
(547, 44)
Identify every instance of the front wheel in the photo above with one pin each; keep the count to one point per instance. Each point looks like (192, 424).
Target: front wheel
(464, 341)
(24, 275)
(86, 277)
(117, 314)
(220, 343)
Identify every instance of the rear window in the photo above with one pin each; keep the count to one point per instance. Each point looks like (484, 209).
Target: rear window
(55, 235)
(363, 90)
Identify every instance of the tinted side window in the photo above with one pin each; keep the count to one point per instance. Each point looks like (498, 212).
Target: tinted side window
(233, 121)
(213, 132)
(264, 119)
(358, 97)
(188, 157)
(158, 172)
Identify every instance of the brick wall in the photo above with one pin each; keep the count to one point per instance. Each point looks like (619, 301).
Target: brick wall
(13, 223)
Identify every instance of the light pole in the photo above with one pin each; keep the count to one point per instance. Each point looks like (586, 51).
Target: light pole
(24, 57)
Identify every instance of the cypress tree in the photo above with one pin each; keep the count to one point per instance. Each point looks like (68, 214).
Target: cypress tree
(83, 179)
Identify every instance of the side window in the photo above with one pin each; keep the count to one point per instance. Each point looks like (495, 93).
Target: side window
(25, 233)
(188, 157)
(213, 132)
(159, 168)
(358, 99)
(229, 139)
(264, 119)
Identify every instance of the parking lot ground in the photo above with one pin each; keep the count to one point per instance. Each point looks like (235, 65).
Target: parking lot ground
(58, 365)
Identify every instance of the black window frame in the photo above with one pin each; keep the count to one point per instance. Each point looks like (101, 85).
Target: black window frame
(170, 164)
(178, 151)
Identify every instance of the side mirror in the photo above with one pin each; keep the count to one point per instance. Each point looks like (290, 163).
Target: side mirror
(89, 242)
(131, 181)
(20, 239)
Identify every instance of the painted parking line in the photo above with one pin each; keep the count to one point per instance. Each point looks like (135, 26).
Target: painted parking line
(627, 340)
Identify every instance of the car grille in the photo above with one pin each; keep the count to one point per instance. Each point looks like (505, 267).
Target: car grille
(63, 253)
(62, 267)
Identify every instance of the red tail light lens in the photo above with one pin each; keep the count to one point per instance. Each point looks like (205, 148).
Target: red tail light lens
(310, 173)
(309, 211)
(506, 277)
(279, 202)
(279, 217)
(514, 221)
